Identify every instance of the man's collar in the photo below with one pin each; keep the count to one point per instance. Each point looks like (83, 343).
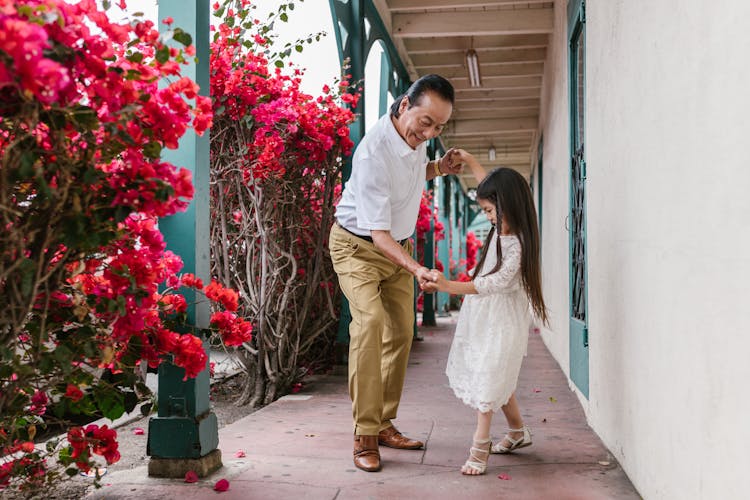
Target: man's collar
(400, 146)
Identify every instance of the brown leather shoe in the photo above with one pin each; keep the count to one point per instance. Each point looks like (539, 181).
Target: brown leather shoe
(366, 453)
(392, 438)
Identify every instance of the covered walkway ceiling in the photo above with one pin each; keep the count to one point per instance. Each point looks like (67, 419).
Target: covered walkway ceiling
(510, 38)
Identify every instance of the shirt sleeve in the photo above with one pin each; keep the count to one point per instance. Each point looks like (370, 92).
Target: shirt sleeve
(374, 200)
(500, 280)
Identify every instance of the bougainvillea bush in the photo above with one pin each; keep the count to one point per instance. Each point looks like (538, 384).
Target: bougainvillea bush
(88, 292)
(276, 160)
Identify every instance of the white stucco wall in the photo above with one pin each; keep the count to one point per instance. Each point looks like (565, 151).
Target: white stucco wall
(554, 133)
(667, 107)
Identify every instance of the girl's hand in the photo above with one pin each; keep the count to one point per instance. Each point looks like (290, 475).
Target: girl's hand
(450, 163)
(464, 158)
(434, 285)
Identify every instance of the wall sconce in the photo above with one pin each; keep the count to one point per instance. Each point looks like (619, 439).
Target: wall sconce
(492, 153)
(472, 64)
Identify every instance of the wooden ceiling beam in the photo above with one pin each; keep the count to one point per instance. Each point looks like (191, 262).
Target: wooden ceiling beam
(468, 23)
(477, 142)
(488, 71)
(485, 57)
(506, 104)
(460, 43)
(465, 96)
(506, 142)
(458, 128)
(491, 113)
(419, 5)
(492, 83)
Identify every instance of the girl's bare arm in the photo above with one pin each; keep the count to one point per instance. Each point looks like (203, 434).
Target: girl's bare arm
(466, 158)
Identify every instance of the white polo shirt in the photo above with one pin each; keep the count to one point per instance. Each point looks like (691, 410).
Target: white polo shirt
(386, 184)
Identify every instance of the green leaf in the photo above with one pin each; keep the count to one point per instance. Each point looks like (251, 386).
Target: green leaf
(85, 117)
(298, 48)
(110, 402)
(152, 149)
(183, 37)
(284, 17)
(136, 57)
(130, 401)
(64, 356)
(220, 11)
(26, 168)
(279, 64)
(162, 55)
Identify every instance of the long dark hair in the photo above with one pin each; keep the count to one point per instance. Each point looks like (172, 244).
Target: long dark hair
(433, 83)
(510, 193)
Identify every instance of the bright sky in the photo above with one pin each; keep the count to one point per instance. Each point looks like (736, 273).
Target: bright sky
(320, 59)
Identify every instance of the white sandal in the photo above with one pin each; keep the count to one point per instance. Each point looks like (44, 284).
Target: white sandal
(515, 444)
(475, 461)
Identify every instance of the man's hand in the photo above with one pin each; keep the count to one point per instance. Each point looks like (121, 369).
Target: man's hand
(425, 276)
(451, 163)
(435, 285)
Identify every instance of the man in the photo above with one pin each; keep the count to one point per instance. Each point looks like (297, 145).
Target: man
(371, 255)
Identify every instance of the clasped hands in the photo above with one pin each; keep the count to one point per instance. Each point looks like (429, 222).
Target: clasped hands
(451, 163)
(430, 280)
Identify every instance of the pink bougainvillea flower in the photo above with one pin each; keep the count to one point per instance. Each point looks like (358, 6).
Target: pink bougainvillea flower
(504, 477)
(138, 431)
(537, 389)
(221, 485)
(191, 477)
(39, 402)
(73, 392)
(240, 454)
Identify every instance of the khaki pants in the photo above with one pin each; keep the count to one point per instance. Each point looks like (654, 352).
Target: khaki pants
(381, 300)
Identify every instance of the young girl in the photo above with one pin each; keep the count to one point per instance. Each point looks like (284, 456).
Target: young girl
(493, 325)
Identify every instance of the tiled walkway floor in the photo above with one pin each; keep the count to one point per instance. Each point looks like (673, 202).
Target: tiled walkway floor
(299, 447)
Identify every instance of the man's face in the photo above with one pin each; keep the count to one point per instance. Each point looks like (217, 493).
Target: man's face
(425, 120)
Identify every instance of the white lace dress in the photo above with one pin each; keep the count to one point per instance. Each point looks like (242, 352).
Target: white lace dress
(492, 332)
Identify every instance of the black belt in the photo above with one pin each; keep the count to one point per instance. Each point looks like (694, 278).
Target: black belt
(369, 238)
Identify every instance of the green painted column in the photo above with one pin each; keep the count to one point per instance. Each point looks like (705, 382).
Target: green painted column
(184, 435)
(348, 26)
(444, 198)
(428, 302)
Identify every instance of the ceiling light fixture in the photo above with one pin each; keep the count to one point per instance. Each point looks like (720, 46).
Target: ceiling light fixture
(492, 153)
(472, 64)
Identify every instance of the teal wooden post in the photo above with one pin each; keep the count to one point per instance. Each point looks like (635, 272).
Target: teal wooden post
(444, 193)
(428, 301)
(348, 26)
(184, 435)
(455, 224)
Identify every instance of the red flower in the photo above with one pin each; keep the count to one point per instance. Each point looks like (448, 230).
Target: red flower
(233, 329)
(221, 485)
(104, 442)
(39, 402)
(190, 280)
(226, 296)
(73, 392)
